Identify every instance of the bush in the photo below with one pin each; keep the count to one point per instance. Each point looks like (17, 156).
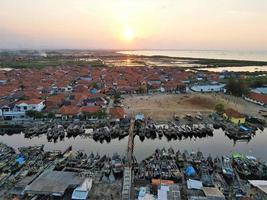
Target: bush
(219, 108)
(51, 115)
(34, 114)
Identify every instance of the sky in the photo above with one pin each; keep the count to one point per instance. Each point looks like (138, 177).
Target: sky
(134, 24)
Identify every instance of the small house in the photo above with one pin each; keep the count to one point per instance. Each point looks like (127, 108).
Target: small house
(234, 116)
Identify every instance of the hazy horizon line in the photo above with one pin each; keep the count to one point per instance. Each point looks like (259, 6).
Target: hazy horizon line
(133, 49)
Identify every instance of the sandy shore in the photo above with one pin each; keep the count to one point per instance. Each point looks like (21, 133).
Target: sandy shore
(165, 106)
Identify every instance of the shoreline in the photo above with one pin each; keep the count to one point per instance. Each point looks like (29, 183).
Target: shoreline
(185, 57)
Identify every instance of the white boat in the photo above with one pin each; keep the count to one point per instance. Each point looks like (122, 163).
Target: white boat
(82, 191)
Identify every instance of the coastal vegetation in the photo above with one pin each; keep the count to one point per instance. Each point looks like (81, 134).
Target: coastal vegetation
(214, 62)
(240, 86)
(236, 87)
(46, 62)
(35, 59)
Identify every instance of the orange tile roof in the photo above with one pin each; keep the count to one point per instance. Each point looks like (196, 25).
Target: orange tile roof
(69, 110)
(258, 97)
(233, 113)
(89, 109)
(55, 99)
(117, 113)
(30, 101)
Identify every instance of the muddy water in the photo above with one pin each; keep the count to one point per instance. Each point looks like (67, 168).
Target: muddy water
(219, 144)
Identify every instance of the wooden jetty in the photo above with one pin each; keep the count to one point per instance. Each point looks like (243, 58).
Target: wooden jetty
(127, 173)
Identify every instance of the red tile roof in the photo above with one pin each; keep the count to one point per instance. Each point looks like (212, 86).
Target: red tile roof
(258, 97)
(30, 101)
(55, 100)
(233, 113)
(117, 113)
(69, 110)
(89, 109)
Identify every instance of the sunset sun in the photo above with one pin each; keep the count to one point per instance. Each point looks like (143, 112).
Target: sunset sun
(128, 34)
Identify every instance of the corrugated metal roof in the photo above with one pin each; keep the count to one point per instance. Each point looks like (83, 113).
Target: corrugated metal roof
(194, 184)
(260, 184)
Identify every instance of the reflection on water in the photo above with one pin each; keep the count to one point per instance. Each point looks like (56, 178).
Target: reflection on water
(219, 144)
(213, 54)
(237, 69)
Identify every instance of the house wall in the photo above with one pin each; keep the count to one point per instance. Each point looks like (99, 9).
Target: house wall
(12, 115)
(208, 88)
(25, 107)
(235, 120)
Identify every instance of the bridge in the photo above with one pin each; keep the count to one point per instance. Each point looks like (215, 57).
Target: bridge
(127, 173)
(130, 146)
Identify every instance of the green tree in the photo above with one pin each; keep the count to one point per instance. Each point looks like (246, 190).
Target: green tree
(117, 96)
(38, 115)
(34, 114)
(236, 87)
(51, 115)
(30, 113)
(94, 84)
(100, 114)
(219, 108)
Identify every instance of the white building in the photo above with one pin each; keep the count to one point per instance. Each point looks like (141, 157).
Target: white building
(18, 111)
(208, 88)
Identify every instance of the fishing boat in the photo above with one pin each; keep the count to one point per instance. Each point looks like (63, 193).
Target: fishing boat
(227, 168)
(49, 133)
(206, 178)
(117, 165)
(107, 167)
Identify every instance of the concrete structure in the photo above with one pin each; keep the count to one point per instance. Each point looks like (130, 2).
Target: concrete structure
(208, 88)
(127, 183)
(127, 173)
(259, 188)
(54, 183)
(213, 193)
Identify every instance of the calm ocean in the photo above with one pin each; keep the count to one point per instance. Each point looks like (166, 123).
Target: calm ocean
(218, 54)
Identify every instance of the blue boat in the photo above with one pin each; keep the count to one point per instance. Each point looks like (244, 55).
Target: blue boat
(227, 168)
